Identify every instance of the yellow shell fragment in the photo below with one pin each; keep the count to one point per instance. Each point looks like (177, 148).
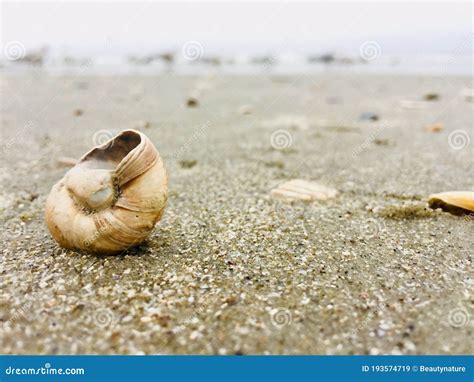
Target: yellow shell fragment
(455, 202)
(299, 189)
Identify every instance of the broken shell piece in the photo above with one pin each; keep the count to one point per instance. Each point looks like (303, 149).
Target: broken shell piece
(408, 104)
(468, 94)
(141, 124)
(299, 189)
(289, 121)
(111, 199)
(455, 202)
(245, 109)
(435, 128)
(66, 161)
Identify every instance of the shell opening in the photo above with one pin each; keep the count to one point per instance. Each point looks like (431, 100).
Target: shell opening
(111, 153)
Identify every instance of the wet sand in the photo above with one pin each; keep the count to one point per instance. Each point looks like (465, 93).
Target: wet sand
(230, 269)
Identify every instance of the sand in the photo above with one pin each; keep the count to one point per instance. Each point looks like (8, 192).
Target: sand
(230, 269)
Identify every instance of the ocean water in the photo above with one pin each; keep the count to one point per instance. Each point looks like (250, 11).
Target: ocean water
(457, 65)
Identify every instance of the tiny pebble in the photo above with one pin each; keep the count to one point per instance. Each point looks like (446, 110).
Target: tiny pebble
(192, 102)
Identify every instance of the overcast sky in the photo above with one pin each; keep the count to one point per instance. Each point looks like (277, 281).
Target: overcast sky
(121, 27)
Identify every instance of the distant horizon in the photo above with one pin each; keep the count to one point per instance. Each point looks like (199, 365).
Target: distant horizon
(79, 29)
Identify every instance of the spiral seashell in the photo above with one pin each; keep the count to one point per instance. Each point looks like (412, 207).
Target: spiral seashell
(112, 198)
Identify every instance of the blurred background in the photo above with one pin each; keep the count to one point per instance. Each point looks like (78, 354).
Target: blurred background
(424, 37)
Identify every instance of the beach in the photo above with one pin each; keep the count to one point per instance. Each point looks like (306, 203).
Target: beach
(231, 269)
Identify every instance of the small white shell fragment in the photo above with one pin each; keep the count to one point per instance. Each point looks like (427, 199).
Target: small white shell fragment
(141, 124)
(435, 127)
(456, 202)
(468, 94)
(409, 104)
(245, 109)
(288, 121)
(66, 161)
(299, 189)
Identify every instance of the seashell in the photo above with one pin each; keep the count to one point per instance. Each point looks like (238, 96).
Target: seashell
(288, 121)
(112, 198)
(245, 109)
(456, 202)
(409, 104)
(299, 189)
(66, 161)
(468, 94)
(435, 128)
